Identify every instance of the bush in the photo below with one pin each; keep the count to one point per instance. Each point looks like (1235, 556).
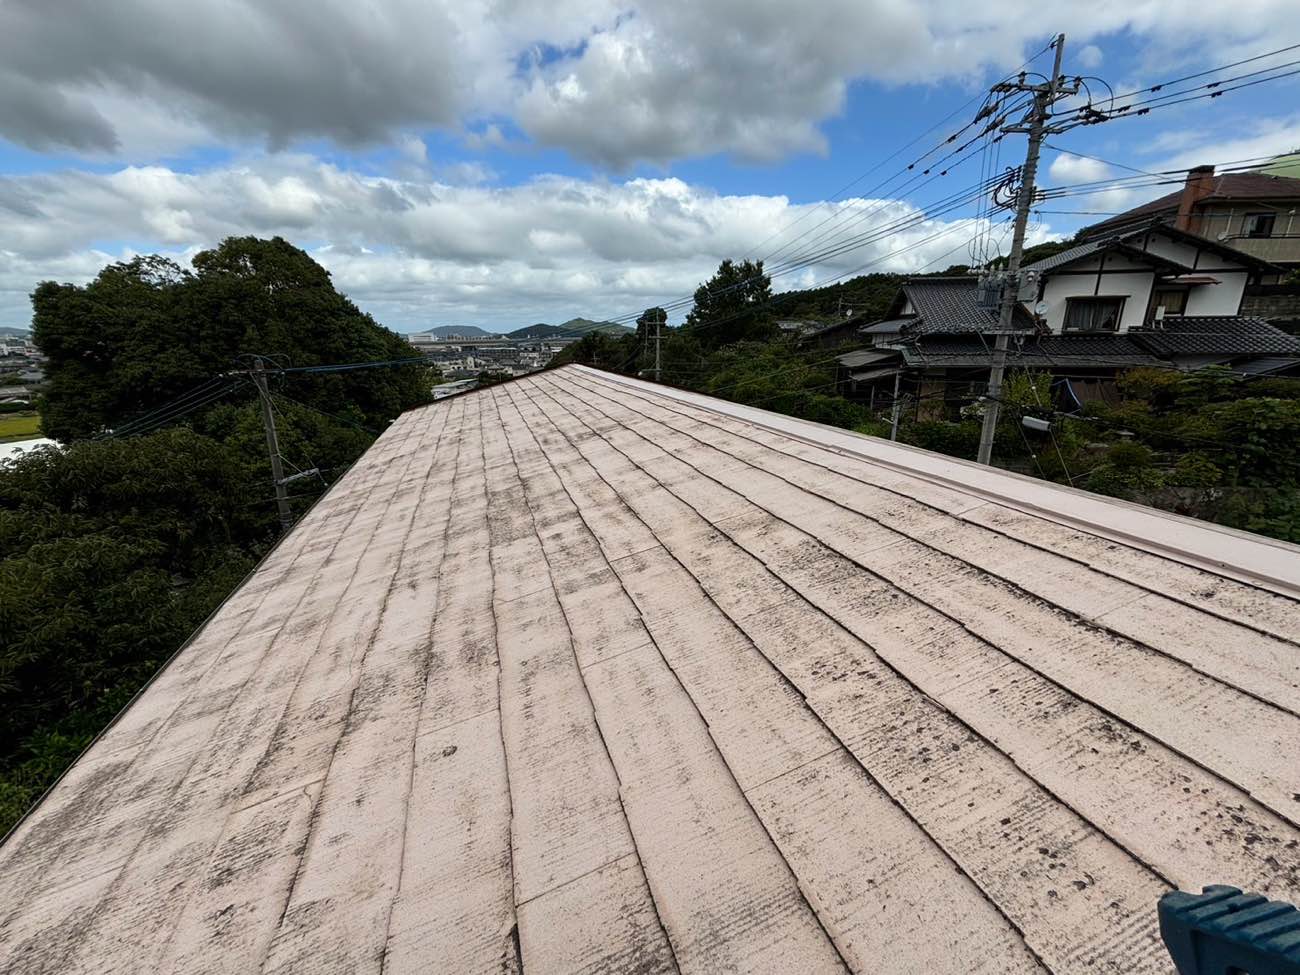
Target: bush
(955, 439)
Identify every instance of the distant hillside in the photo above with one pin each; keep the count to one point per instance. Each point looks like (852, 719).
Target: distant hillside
(539, 331)
(7, 330)
(466, 331)
(572, 328)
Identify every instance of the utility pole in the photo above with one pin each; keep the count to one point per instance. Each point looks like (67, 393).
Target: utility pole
(658, 318)
(272, 445)
(1045, 95)
(893, 420)
(659, 328)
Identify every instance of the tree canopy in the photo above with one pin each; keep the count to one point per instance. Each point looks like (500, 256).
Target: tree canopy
(146, 331)
(733, 306)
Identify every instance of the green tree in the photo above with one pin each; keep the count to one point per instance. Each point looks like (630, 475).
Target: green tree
(733, 306)
(146, 331)
(111, 553)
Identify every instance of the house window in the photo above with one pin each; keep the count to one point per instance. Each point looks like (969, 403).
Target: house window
(1093, 314)
(1173, 299)
(1259, 224)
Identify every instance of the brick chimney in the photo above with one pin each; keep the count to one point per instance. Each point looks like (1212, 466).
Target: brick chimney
(1200, 181)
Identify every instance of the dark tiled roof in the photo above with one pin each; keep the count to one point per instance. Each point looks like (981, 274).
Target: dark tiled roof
(1228, 186)
(1046, 351)
(948, 306)
(1216, 335)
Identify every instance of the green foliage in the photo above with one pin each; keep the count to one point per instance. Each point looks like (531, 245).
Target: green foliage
(146, 331)
(1126, 471)
(954, 439)
(866, 296)
(617, 353)
(111, 553)
(733, 306)
(1157, 386)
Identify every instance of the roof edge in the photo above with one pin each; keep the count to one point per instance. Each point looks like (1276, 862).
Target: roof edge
(1253, 559)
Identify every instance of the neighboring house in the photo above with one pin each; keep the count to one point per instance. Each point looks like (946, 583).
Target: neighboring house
(1255, 213)
(1150, 295)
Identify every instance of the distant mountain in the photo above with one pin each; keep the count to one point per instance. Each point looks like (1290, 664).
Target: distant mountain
(573, 328)
(539, 331)
(465, 331)
(20, 332)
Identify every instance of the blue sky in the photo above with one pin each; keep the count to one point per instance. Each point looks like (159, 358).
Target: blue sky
(490, 162)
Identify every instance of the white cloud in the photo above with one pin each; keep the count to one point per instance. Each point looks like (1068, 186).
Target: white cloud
(1070, 170)
(614, 82)
(1089, 57)
(420, 251)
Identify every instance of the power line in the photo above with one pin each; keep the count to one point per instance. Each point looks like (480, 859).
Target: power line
(1208, 71)
(175, 410)
(332, 416)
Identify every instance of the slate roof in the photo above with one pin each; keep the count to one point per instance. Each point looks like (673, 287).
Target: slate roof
(949, 306)
(1226, 186)
(1045, 351)
(581, 674)
(1216, 335)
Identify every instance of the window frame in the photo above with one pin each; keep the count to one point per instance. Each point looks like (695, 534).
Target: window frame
(1248, 224)
(1118, 300)
(1184, 290)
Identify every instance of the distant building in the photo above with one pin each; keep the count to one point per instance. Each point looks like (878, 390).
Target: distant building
(1149, 295)
(1254, 213)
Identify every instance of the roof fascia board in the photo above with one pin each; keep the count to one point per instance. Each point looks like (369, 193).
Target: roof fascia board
(1253, 559)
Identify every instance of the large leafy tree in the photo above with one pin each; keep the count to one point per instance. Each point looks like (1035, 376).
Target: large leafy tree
(733, 306)
(146, 331)
(111, 553)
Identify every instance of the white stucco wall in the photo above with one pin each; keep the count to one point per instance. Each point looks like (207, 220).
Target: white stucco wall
(1223, 298)
(1123, 277)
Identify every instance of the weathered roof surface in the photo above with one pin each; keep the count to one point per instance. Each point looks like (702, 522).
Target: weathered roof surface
(579, 674)
(1216, 335)
(949, 306)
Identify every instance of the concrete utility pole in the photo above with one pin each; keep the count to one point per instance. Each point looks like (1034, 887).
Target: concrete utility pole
(893, 419)
(272, 445)
(1045, 95)
(659, 329)
(658, 318)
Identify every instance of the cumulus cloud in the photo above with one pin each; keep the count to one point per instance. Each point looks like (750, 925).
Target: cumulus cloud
(613, 82)
(422, 251)
(1070, 170)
